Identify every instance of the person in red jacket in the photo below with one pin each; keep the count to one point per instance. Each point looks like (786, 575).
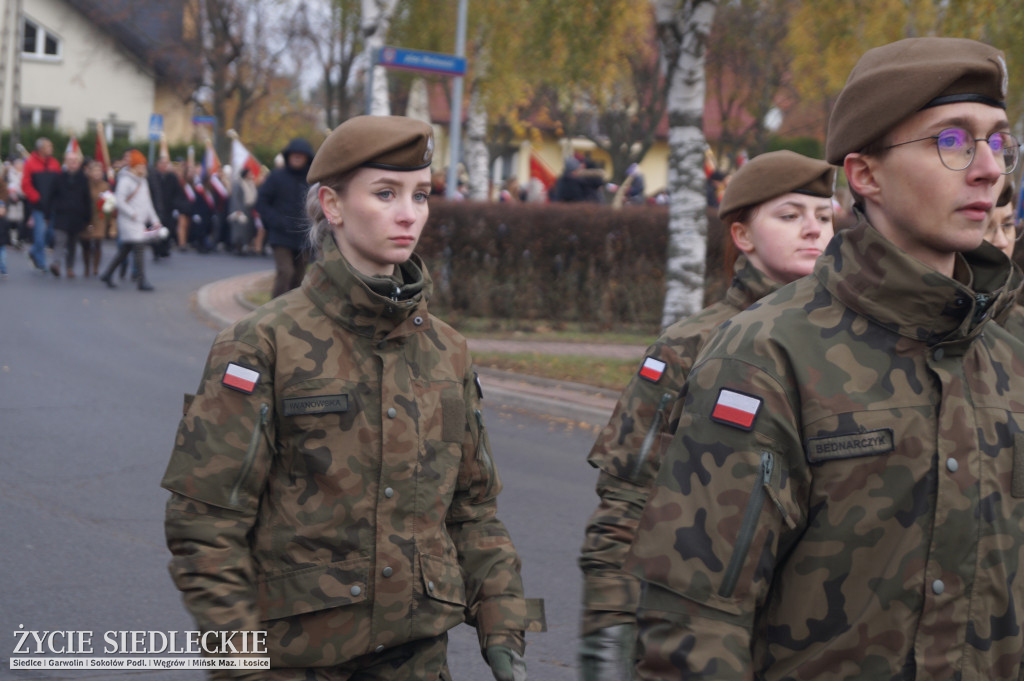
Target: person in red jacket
(41, 171)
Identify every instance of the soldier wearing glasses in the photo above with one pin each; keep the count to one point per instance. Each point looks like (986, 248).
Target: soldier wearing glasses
(844, 493)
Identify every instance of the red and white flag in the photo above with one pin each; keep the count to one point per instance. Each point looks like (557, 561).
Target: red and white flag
(736, 409)
(241, 158)
(240, 378)
(73, 147)
(652, 369)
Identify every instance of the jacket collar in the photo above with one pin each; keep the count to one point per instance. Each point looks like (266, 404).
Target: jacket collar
(749, 284)
(869, 274)
(350, 300)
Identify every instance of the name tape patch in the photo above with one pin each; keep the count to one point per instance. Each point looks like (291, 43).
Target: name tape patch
(652, 369)
(318, 404)
(736, 409)
(240, 378)
(871, 443)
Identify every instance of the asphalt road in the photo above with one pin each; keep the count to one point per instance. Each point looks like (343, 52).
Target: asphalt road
(91, 383)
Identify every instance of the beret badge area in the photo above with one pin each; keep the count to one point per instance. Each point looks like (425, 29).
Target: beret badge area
(430, 149)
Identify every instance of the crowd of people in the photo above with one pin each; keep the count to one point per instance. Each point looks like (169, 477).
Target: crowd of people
(54, 209)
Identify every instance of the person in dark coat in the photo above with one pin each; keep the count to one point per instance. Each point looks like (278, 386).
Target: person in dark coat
(71, 208)
(281, 204)
(168, 199)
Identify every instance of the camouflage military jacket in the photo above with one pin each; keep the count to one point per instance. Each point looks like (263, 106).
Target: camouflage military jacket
(844, 495)
(628, 450)
(332, 479)
(1014, 321)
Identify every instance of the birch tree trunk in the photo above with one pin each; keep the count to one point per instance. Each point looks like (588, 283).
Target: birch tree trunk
(478, 165)
(683, 29)
(376, 21)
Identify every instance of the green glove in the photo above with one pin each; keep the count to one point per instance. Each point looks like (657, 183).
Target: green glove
(608, 654)
(506, 664)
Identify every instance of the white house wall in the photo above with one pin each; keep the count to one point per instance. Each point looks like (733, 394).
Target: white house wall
(93, 78)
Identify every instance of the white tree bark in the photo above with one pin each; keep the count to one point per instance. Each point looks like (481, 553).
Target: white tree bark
(419, 101)
(377, 16)
(683, 28)
(478, 163)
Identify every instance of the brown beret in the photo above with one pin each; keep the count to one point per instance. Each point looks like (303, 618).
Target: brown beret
(773, 174)
(388, 142)
(891, 82)
(1005, 196)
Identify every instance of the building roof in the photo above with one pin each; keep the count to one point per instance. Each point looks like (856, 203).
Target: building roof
(153, 32)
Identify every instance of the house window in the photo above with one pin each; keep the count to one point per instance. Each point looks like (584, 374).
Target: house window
(37, 117)
(38, 42)
(121, 132)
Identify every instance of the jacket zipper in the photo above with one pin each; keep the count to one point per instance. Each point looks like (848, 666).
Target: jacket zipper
(746, 535)
(250, 455)
(483, 455)
(652, 435)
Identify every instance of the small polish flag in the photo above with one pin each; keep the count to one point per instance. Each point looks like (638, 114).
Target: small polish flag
(736, 409)
(652, 369)
(240, 378)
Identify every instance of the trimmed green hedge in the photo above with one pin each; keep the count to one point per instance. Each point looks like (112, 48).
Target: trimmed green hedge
(581, 263)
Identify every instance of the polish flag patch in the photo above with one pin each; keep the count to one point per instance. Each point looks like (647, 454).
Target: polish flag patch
(240, 378)
(652, 369)
(736, 409)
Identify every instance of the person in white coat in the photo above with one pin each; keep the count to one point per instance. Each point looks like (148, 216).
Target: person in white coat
(137, 221)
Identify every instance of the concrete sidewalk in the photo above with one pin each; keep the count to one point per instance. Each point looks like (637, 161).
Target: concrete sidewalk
(222, 302)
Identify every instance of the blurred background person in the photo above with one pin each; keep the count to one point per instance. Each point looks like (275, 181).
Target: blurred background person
(40, 172)
(137, 221)
(70, 211)
(281, 203)
(240, 212)
(102, 205)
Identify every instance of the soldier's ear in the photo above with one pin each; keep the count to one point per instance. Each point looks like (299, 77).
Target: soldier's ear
(741, 237)
(862, 174)
(330, 203)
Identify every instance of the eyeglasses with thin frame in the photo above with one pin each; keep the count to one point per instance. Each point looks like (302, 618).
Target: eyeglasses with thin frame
(1009, 226)
(956, 148)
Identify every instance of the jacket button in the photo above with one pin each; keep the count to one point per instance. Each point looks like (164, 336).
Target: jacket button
(952, 465)
(355, 591)
(378, 649)
(392, 413)
(430, 587)
(388, 492)
(938, 587)
(387, 572)
(939, 354)
(417, 320)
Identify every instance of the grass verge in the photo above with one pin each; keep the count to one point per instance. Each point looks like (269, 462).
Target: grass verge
(612, 374)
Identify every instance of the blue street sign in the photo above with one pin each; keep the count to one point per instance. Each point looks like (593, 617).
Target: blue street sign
(419, 60)
(156, 126)
(204, 120)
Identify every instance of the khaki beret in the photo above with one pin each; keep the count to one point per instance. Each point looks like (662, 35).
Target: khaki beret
(892, 82)
(773, 174)
(388, 142)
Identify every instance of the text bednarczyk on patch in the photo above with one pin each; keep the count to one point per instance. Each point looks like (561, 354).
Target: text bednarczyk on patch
(57, 642)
